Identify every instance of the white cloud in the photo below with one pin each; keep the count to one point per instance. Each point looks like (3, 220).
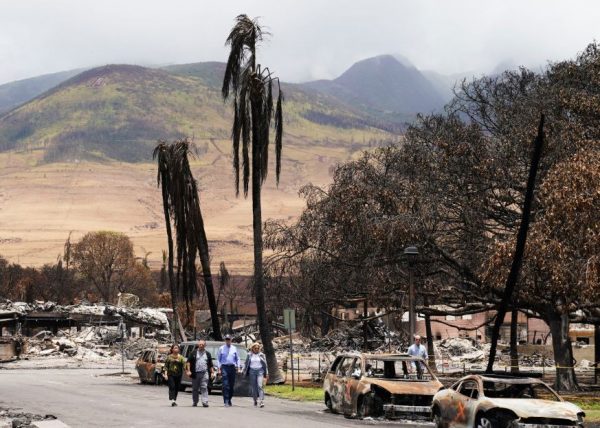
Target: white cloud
(311, 39)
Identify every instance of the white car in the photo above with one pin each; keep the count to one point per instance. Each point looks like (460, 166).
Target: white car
(503, 402)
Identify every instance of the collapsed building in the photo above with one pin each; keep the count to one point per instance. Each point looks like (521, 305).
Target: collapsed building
(26, 327)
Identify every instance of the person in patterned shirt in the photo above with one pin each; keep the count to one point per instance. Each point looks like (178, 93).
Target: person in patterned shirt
(174, 365)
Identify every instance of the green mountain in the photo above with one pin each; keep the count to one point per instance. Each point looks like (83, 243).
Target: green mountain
(119, 112)
(16, 93)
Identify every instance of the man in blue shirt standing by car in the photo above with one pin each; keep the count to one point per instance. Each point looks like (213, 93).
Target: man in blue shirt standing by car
(418, 350)
(228, 363)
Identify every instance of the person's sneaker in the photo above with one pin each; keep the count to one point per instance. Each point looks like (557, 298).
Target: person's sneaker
(195, 405)
(204, 404)
(173, 404)
(230, 403)
(255, 404)
(262, 404)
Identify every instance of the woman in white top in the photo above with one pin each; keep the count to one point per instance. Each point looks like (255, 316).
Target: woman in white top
(256, 368)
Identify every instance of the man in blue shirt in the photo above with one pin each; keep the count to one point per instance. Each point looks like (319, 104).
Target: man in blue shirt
(418, 350)
(228, 363)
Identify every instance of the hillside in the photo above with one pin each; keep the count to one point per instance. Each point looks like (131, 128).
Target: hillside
(119, 112)
(16, 93)
(385, 87)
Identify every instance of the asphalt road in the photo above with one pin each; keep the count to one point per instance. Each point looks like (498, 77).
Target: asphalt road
(94, 398)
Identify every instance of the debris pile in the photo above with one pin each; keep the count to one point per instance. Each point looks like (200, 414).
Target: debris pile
(348, 337)
(535, 360)
(462, 350)
(18, 419)
(91, 343)
(84, 332)
(147, 316)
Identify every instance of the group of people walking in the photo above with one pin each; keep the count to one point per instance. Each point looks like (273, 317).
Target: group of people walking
(201, 369)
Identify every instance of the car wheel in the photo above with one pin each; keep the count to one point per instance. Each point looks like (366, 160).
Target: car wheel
(328, 402)
(484, 422)
(369, 405)
(362, 406)
(437, 420)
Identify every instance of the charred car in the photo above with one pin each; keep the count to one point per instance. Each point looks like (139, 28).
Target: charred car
(503, 402)
(150, 364)
(391, 385)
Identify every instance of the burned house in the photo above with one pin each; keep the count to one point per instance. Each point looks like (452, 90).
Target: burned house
(20, 321)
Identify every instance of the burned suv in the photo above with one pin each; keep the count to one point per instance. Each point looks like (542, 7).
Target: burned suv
(391, 385)
(150, 364)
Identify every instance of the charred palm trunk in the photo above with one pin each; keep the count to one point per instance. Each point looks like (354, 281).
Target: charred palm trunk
(172, 283)
(206, 273)
(259, 287)
(513, 276)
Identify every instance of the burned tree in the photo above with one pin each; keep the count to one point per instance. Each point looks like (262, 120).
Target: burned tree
(183, 208)
(252, 88)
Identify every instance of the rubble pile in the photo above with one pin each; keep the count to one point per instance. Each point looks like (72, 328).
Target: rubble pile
(148, 316)
(457, 346)
(461, 350)
(84, 332)
(91, 343)
(19, 419)
(535, 360)
(348, 337)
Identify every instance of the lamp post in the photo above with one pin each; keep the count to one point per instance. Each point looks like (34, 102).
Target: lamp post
(411, 253)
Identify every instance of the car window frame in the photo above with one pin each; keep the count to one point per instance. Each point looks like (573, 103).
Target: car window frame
(336, 363)
(475, 388)
(341, 365)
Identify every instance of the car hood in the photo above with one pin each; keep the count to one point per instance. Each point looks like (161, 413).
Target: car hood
(408, 387)
(532, 408)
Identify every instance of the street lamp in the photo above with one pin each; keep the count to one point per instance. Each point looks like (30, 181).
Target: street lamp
(411, 253)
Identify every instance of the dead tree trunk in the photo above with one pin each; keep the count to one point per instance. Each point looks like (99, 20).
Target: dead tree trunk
(514, 354)
(430, 350)
(563, 352)
(513, 276)
(596, 352)
(429, 333)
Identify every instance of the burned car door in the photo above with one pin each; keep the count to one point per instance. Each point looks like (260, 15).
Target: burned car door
(143, 366)
(466, 403)
(351, 383)
(339, 392)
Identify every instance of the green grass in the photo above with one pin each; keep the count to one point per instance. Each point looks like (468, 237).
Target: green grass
(301, 393)
(590, 406)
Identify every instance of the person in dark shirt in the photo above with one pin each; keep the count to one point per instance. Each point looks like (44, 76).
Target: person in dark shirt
(174, 369)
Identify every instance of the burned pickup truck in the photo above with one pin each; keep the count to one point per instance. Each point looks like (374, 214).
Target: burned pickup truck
(391, 385)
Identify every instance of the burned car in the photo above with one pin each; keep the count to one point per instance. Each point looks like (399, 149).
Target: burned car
(503, 402)
(391, 385)
(150, 364)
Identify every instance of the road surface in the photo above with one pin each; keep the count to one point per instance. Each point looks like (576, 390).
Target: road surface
(98, 398)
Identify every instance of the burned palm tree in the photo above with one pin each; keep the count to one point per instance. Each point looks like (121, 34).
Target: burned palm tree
(162, 156)
(183, 206)
(252, 88)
